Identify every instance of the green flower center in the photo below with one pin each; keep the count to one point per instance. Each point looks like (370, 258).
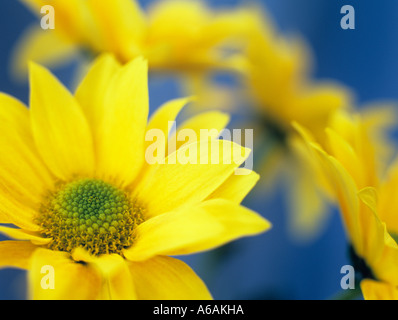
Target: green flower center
(92, 214)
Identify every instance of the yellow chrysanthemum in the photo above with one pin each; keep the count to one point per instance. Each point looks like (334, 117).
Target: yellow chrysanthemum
(75, 184)
(279, 85)
(281, 88)
(364, 196)
(173, 35)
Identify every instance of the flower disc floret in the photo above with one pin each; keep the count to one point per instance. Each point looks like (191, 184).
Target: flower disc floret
(92, 214)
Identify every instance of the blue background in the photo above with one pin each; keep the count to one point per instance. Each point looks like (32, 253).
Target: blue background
(272, 265)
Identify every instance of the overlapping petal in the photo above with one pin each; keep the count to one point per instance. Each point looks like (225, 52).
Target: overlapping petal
(24, 176)
(193, 229)
(60, 129)
(375, 290)
(117, 283)
(53, 275)
(122, 131)
(166, 278)
(20, 234)
(188, 175)
(16, 254)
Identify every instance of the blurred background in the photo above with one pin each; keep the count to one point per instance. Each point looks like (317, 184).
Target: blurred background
(272, 265)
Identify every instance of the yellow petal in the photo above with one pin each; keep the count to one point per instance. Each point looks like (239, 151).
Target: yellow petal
(159, 127)
(307, 204)
(165, 114)
(314, 105)
(121, 146)
(237, 221)
(24, 177)
(381, 248)
(307, 155)
(387, 199)
(347, 156)
(71, 280)
(92, 91)
(369, 196)
(60, 129)
(172, 233)
(187, 179)
(117, 283)
(19, 234)
(375, 290)
(4, 219)
(193, 229)
(308, 190)
(237, 186)
(165, 278)
(379, 120)
(17, 213)
(21, 166)
(376, 233)
(352, 144)
(383, 254)
(207, 125)
(346, 192)
(16, 253)
(229, 24)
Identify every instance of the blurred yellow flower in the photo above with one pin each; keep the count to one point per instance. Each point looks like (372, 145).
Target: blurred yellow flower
(174, 35)
(279, 86)
(364, 193)
(280, 83)
(75, 184)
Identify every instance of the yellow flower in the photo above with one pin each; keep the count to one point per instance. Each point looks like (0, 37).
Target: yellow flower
(279, 86)
(172, 35)
(283, 93)
(75, 183)
(365, 198)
